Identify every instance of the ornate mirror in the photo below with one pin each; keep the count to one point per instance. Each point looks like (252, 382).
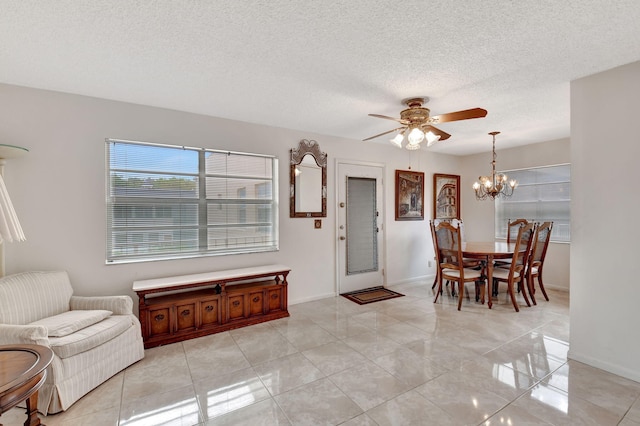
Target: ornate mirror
(308, 180)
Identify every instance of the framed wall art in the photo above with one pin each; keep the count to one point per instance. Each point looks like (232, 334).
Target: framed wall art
(409, 195)
(446, 196)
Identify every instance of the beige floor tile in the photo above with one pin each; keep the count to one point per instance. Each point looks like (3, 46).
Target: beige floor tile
(341, 326)
(334, 357)
(138, 383)
(361, 420)
(206, 355)
(230, 392)
(304, 335)
(105, 417)
(464, 401)
(375, 320)
(286, 373)
(262, 344)
(410, 408)
(178, 406)
(513, 415)
(369, 385)
(263, 413)
(372, 344)
(409, 367)
(161, 357)
(106, 396)
(317, 403)
(560, 408)
(634, 411)
(603, 389)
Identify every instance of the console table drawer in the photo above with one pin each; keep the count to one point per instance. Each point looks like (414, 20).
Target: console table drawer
(159, 321)
(186, 316)
(209, 312)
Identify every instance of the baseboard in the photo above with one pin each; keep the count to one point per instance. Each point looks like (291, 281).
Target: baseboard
(555, 287)
(424, 279)
(311, 299)
(606, 366)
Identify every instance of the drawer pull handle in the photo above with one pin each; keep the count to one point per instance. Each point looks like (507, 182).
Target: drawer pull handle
(256, 299)
(236, 303)
(159, 317)
(209, 308)
(185, 312)
(274, 296)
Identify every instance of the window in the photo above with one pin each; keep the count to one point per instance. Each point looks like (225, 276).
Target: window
(543, 194)
(167, 202)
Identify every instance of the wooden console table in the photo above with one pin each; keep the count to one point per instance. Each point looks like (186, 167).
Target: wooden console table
(22, 373)
(183, 307)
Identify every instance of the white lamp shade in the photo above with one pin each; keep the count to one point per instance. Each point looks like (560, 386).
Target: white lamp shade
(10, 229)
(415, 136)
(431, 138)
(397, 141)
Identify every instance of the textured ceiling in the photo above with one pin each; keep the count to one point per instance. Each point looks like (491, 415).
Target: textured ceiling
(322, 66)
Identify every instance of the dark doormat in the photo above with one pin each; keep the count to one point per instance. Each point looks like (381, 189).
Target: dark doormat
(370, 295)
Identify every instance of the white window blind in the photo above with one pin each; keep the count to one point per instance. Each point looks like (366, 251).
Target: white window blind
(167, 201)
(543, 194)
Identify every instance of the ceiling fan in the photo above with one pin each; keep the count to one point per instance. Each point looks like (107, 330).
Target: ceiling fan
(417, 125)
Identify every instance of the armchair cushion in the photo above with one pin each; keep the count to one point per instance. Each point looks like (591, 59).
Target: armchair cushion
(71, 321)
(90, 337)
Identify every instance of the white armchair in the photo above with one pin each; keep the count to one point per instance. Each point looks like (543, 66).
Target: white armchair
(92, 338)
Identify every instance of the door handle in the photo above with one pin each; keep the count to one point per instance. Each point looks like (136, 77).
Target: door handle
(342, 237)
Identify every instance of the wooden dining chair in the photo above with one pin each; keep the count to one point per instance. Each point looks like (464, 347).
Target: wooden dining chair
(448, 247)
(512, 233)
(536, 259)
(468, 263)
(513, 227)
(516, 272)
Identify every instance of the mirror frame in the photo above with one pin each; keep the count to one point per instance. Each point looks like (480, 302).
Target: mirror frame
(297, 154)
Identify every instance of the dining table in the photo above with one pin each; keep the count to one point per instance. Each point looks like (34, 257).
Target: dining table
(487, 252)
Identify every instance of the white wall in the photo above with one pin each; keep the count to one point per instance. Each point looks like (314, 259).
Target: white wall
(605, 149)
(58, 190)
(479, 215)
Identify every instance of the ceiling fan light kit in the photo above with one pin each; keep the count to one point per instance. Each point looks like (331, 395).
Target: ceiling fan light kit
(417, 124)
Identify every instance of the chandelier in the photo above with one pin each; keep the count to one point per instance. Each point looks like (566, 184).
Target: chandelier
(495, 185)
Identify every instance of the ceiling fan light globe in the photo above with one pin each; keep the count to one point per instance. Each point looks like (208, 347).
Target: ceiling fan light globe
(431, 138)
(415, 136)
(397, 141)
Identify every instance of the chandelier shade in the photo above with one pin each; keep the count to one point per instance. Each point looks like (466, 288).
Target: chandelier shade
(497, 184)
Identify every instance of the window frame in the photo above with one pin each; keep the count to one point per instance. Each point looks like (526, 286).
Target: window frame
(203, 222)
(564, 229)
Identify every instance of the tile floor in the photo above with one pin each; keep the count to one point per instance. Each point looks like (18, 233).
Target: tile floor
(405, 361)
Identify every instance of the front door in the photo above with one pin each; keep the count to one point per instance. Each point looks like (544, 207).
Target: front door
(360, 225)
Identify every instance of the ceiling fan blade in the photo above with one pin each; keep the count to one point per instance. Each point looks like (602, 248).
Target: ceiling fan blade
(458, 115)
(438, 132)
(386, 117)
(382, 134)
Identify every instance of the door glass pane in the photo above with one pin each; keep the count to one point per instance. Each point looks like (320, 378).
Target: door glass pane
(362, 239)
